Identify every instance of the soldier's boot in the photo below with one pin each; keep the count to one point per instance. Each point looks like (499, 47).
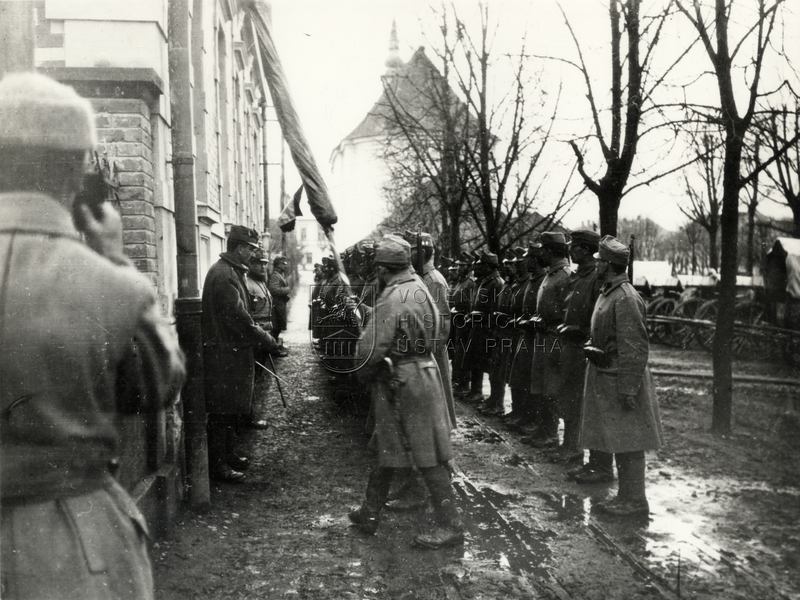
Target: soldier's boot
(412, 493)
(475, 388)
(497, 397)
(366, 518)
(631, 499)
(599, 469)
(513, 418)
(547, 436)
(449, 528)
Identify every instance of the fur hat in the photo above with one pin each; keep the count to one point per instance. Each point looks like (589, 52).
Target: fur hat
(36, 111)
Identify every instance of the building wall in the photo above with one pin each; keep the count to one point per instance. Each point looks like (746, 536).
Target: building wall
(358, 177)
(116, 53)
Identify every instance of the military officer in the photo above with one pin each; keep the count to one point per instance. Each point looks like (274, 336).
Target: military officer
(481, 339)
(281, 291)
(620, 412)
(82, 341)
(582, 291)
(523, 410)
(546, 365)
(412, 427)
(230, 338)
(261, 311)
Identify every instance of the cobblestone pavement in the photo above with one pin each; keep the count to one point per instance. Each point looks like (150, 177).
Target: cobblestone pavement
(724, 520)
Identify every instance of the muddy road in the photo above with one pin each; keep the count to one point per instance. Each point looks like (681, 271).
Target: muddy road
(724, 522)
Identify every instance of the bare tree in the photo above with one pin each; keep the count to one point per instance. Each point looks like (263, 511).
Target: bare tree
(632, 92)
(476, 154)
(784, 174)
(703, 206)
(714, 32)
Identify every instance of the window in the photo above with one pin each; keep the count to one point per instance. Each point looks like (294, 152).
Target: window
(303, 234)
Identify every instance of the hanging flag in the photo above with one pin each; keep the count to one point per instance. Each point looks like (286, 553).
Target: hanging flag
(316, 191)
(290, 212)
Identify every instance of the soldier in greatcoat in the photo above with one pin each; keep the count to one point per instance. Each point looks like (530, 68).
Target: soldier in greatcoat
(481, 339)
(82, 341)
(281, 292)
(461, 302)
(412, 427)
(261, 311)
(546, 365)
(582, 292)
(230, 337)
(502, 329)
(523, 410)
(620, 412)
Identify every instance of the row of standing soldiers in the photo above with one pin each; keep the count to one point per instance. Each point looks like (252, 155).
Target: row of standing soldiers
(526, 322)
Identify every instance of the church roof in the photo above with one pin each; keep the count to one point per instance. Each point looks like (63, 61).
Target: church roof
(414, 86)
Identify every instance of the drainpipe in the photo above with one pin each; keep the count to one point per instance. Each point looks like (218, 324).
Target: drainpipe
(188, 306)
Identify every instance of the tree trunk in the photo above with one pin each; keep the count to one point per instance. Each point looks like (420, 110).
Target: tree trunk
(713, 249)
(609, 212)
(723, 336)
(751, 234)
(454, 241)
(795, 206)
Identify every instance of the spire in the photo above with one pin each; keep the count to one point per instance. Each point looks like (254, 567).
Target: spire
(393, 60)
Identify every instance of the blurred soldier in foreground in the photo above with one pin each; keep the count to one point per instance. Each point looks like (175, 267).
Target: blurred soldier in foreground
(261, 311)
(82, 340)
(412, 427)
(620, 411)
(582, 291)
(230, 339)
(281, 291)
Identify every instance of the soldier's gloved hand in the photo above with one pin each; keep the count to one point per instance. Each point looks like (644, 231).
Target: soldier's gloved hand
(628, 401)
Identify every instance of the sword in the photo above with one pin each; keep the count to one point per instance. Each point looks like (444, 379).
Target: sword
(277, 378)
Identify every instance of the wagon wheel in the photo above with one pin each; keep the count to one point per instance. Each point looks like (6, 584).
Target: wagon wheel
(662, 332)
(748, 343)
(791, 349)
(705, 334)
(685, 332)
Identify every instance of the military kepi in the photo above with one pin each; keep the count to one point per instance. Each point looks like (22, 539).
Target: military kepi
(393, 250)
(614, 251)
(553, 239)
(240, 233)
(586, 237)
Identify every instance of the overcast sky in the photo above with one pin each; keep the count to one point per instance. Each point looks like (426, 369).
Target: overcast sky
(334, 53)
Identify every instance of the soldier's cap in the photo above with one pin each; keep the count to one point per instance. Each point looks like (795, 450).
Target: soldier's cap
(534, 248)
(393, 250)
(489, 258)
(36, 111)
(280, 260)
(613, 251)
(425, 239)
(516, 254)
(553, 239)
(259, 256)
(366, 246)
(240, 233)
(586, 237)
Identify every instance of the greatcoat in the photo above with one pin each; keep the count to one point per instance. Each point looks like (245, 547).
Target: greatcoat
(481, 338)
(618, 328)
(229, 338)
(520, 376)
(82, 340)
(412, 426)
(440, 291)
(546, 365)
(280, 291)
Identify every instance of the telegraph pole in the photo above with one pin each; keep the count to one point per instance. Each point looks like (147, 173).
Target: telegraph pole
(17, 38)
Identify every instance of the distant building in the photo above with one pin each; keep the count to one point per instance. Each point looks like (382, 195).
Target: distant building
(311, 242)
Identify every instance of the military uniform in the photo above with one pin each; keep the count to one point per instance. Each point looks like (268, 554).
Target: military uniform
(281, 291)
(82, 340)
(520, 376)
(230, 337)
(620, 411)
(461, 302)
(546, 365)
(502, 350)
(412, 426)
(481, 339)
(261, 310)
